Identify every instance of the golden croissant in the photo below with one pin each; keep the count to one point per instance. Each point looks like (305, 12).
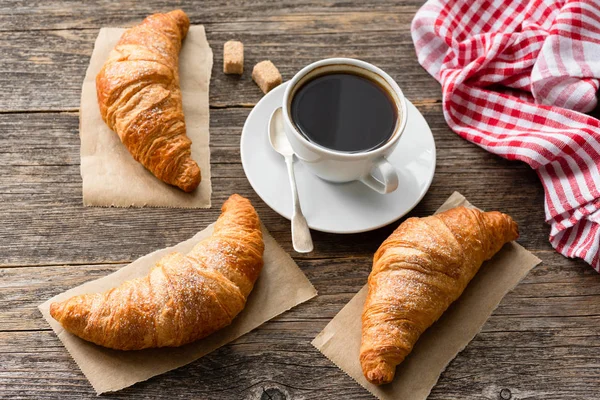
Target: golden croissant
(418, 271)
(183, 298)
(140, 98)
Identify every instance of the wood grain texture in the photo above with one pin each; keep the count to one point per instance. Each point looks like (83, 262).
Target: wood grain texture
(540, 343)
(19, 15)
(529, 335)
(53, 62)
(40, 195)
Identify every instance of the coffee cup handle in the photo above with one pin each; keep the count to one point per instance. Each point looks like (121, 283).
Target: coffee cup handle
(387, 172)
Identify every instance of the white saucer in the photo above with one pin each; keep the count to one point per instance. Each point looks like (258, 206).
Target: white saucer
(329, 207)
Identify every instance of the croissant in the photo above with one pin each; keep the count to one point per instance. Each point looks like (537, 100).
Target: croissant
(183, 298)
(140, 99)
(418, 271)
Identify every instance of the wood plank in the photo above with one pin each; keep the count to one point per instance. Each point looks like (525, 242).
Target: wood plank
(44, 70)
(42, 213)
(552, 305)
(279, 356)
(42, 15)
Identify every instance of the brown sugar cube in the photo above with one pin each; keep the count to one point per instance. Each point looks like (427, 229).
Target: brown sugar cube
(233, 57)
(266, 75)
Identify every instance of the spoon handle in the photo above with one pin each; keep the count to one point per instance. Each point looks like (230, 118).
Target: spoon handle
(301, 238)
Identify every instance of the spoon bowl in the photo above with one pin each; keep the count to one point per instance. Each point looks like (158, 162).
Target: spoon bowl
(277, 138)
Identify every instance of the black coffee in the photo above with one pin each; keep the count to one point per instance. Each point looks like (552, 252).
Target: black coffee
(344, 112)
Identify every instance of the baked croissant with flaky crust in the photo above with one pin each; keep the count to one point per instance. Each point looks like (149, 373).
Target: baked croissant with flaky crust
(183, 298)
(418, 271)
(140, 98)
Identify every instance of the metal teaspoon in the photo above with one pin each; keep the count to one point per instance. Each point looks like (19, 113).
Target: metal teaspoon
(301, 238)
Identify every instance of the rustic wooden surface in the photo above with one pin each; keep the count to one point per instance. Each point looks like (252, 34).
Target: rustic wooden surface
(541, 342)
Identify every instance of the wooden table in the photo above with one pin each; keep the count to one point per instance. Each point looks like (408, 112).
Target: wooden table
(541, 342)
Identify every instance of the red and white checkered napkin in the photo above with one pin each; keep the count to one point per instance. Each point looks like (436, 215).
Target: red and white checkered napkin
(516, 77)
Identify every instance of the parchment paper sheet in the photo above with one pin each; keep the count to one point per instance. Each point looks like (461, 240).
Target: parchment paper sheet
(416, 376)
(111, 177)
(280, 286)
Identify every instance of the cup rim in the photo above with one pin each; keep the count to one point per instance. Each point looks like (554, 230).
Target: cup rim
(357, 63)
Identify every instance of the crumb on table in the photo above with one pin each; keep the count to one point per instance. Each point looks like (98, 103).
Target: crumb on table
(266, 75)
(233, 57)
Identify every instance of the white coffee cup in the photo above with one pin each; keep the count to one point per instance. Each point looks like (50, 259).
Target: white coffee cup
(370, 167)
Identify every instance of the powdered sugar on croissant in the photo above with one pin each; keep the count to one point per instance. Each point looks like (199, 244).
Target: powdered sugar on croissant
(183, 298)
